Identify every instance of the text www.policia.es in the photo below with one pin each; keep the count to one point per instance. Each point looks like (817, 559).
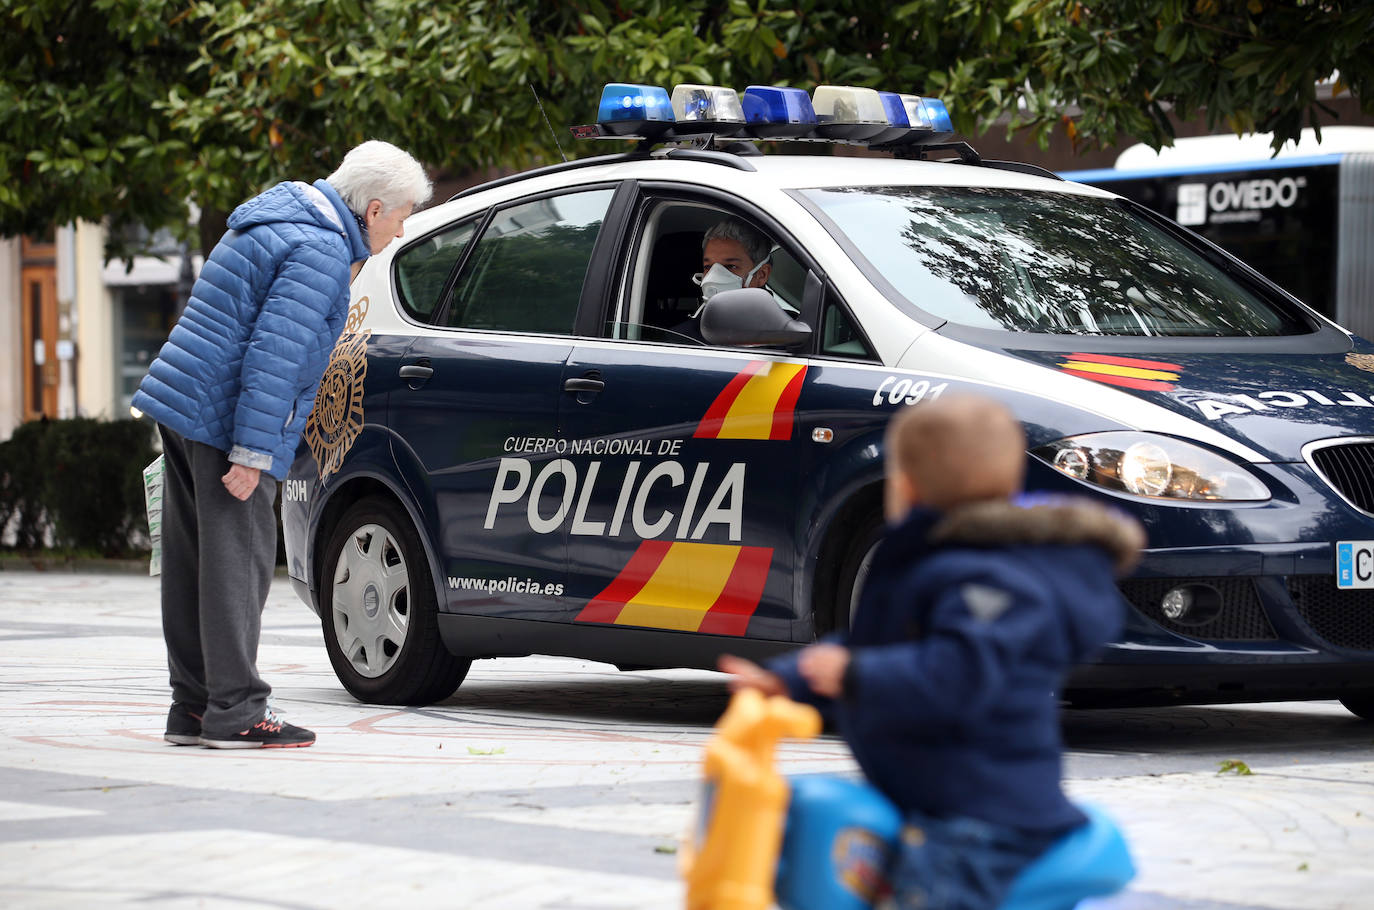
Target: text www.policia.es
(508, 585)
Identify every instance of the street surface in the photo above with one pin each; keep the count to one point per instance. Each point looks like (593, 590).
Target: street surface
(549, 783)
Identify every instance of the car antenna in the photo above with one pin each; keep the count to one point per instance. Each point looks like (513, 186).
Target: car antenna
(546, 121)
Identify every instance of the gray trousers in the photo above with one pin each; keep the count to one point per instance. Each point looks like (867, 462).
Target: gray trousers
(218, 554)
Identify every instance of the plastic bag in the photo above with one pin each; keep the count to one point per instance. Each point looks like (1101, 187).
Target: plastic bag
(153, 478)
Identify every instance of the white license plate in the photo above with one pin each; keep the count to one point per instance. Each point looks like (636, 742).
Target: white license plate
(1355, 564)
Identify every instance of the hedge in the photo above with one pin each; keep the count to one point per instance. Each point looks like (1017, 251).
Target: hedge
(76, 484)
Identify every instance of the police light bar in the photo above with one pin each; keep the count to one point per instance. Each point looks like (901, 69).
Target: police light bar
(706, 108)
(628, 109)
(778, 113)
(838, 113)
(848, 112)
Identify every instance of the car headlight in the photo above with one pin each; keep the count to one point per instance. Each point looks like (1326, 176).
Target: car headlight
(1150, 465)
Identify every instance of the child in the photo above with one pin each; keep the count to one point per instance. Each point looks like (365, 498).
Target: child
(976, 607)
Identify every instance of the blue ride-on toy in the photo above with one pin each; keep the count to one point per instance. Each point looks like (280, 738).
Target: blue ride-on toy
(841, 834)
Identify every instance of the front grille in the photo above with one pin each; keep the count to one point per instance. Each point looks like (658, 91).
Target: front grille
(1240, 618)
(1344, 618)
(1349, 468)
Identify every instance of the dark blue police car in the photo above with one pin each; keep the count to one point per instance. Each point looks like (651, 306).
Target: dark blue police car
(535, 438)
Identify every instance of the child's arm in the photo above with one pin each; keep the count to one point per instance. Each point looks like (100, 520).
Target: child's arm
(745, 674)
(785, 675)
(823, 666)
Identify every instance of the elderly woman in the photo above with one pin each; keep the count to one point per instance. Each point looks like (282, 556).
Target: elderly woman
(230, 391)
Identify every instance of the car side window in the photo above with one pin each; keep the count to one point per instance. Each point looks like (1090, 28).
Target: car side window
(839, 336)
(525, 274)
(662, 301)
(422, 269)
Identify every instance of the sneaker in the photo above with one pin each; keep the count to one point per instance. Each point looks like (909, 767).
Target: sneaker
(183, 726)
(269, 733)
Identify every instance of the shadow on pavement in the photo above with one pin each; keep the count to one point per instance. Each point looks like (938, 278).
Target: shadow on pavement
(620, 698)
(651, 699)
(1270, 728)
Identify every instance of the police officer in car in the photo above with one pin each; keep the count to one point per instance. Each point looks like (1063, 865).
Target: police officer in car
(733, 256)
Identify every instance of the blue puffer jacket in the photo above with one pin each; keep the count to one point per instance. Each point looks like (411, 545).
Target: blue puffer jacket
(241, 367)
(968, 623)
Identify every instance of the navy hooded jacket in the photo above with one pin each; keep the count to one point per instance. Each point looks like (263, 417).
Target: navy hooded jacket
(241, 367)
(967, 625)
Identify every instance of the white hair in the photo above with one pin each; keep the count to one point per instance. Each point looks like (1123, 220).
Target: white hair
(379, 170)
(756, 246)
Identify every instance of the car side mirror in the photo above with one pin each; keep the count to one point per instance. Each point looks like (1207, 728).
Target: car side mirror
(750, 317)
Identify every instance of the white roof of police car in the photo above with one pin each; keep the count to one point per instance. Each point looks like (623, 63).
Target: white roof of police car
(778, 172)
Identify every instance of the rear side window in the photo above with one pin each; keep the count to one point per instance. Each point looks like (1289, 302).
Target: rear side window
(840, 337)
(422, 269)
(525, 274)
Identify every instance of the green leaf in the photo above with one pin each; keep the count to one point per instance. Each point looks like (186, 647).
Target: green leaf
(1234, 766)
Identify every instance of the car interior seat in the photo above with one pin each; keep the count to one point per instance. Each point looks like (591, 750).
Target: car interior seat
(670, 295)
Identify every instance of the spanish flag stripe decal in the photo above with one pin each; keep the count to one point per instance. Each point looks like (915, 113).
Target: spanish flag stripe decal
(1127, 362)
(685, 587)
(606, 606)
(690, 579)
(751, 415)
(758, 403)
(1107, 369)
(730, 614)
(1147, 385)
(787, 404)
(715, 415)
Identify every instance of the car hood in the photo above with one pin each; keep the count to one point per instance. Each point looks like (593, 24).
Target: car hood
(1274, 402)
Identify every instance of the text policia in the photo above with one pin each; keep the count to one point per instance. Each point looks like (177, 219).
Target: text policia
(709, 495)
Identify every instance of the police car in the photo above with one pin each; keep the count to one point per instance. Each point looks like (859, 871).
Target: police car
(520, 448)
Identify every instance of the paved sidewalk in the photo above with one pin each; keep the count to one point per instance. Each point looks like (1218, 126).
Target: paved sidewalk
(547, 783)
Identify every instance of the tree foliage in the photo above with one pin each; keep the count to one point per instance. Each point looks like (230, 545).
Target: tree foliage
(127, 109)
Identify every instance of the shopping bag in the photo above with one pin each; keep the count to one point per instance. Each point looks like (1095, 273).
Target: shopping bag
(153, 477)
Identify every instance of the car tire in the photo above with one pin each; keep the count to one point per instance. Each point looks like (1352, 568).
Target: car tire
(1361, 705)
(379, 612)
(854, 567)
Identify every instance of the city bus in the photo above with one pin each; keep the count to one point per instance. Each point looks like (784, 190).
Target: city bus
(1303, 218)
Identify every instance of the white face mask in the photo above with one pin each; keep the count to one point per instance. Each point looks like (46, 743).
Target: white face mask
(718, 278)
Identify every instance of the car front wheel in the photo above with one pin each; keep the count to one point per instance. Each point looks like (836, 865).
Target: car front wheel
(379, 612)
(854, 568)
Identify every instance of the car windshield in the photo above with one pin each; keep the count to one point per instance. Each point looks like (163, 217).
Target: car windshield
(1050, 263)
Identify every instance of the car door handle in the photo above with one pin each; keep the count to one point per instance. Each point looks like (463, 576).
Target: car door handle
(416, 371)
(583, 385)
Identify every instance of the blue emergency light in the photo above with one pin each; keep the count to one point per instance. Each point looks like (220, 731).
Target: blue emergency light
(776, 113)
(628, 109)
(897, 116)
(938, 115)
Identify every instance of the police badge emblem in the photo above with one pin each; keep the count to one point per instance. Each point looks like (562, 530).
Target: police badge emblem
(1361, 361)
(337, 418)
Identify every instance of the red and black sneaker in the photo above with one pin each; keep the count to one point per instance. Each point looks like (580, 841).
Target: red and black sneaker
(269, 733)
(183, 726)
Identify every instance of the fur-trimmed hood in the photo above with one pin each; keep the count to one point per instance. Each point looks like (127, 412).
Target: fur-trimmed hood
(1039, 521)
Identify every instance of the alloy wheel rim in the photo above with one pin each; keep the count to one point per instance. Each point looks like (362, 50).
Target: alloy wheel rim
(371, 601)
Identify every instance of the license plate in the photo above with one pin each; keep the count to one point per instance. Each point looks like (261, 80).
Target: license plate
(1355, 564)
